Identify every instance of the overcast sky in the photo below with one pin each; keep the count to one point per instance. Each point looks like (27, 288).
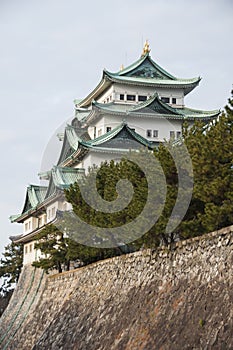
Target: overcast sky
(53, 51)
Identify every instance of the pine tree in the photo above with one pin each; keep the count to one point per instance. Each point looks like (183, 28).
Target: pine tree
(53, 246)
(211, 150)
(10, 266)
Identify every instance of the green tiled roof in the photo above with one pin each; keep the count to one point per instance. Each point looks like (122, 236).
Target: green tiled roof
(35, 195)
(155, 106)
(63, 177)
(143, 72)
(146, 66)
(187, 84)
(73, 135)
(198, 114)
(117, 133)
(60, 178)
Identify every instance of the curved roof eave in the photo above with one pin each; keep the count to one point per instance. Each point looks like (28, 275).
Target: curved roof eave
(187, 84)
(99, 89)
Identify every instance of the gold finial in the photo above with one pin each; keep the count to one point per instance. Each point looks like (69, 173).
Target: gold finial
(146, 48)
(122, 67)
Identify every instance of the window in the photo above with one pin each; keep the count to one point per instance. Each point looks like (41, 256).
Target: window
(30, 248)
(174, 100)
(178, 134)
(142, 98)
(53, 211)
(26, 226)
(99, 132)
(149, 133)
(131, 97)
(108, 128)
(40, 221)
(94, 132)
(122, 97)
(155, 133)
(172, 134)
(165, 99)
(25, 249)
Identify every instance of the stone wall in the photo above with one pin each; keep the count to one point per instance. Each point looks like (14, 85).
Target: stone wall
(178, 297)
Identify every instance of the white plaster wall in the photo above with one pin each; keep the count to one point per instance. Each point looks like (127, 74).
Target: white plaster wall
(147, 91)
(108, 96)
(30, 253)
(51, 211)
(96, 158)
(30, 225)
(141, 125)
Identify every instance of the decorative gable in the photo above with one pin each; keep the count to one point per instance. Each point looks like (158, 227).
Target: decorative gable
(147, 70)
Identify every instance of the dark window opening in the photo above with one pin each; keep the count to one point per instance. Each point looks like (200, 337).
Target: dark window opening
(131, 97)
(165, 99)
(142, 98)
(122, 97)
(174, 100)
(155, 133)
(178, 134)
(149, 133)
(108, 128)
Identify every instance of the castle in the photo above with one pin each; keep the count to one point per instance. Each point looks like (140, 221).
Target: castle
(139, 106)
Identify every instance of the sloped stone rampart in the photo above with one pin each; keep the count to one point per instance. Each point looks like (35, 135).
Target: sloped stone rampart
(179, 297)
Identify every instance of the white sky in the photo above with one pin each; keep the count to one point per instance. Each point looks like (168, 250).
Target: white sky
(53, 51)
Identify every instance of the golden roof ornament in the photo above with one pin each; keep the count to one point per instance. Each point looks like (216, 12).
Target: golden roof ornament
(146, 48)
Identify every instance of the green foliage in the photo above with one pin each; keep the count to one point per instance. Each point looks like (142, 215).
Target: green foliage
(59, 250)
(51, 242)
(210, 147)
(211, 152)
(10, 266)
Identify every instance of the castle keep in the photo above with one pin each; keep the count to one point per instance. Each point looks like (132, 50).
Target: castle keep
(139, 106)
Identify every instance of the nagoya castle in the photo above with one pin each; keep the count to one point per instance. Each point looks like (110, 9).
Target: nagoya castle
(139, 106)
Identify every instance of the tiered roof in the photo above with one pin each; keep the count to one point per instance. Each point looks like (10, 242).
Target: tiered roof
(153, 107)
(35, 195)
(143, 72)
(120, 139)
(38, 196)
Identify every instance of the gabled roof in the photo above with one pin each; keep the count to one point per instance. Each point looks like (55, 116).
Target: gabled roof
(120, 138)
(151, 108)
(61, 178)
(143, 72)
(35, 195)
(155, 105)
(73, 134)
(145, 67)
